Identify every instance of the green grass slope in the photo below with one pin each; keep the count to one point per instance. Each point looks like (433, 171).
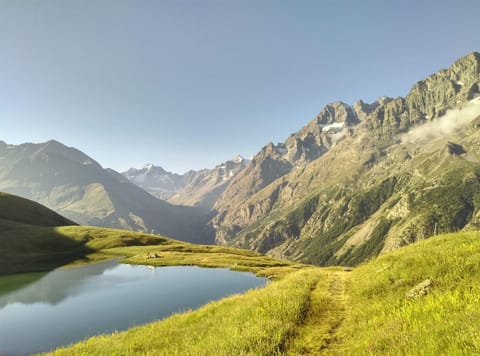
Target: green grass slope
(444, 321)
(31, 241)
(14, 208)
(28, 248)
(331, 311)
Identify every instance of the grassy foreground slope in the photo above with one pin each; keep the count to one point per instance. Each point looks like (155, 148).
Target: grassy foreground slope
(382, 320)
(330, 311)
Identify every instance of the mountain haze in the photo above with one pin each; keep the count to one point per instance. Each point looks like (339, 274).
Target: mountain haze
(194, 188)
(156, 180)
(76, 186)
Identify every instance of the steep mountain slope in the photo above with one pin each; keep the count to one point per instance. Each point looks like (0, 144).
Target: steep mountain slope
(381, 175)
(194, 188)
(74, 185)
(275, 161)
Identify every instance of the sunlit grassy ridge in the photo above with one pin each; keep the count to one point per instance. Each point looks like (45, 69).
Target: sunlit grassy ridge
(28, 248)
(179, 253)
(21, 210)
(446, 321)
(32, 248)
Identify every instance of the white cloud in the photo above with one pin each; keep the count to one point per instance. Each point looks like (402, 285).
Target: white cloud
(452, 121)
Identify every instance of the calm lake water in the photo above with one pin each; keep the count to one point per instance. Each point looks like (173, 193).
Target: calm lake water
(39, 312)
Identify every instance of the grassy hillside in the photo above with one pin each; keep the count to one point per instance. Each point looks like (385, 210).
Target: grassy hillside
(30, 241)
(22, 210)
(445, 321)
(25, 248)
(331, 311)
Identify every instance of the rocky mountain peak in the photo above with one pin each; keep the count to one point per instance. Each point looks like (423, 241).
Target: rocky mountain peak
(155, 180)
(363, 109)
(54, 149)
(467, 65)
(52, 146)
(298, 198)
(148, 169)
(238, 159)
(271, 150)
(336, 112)
(194, 188)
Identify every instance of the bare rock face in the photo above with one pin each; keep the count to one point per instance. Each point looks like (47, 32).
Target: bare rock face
(350, 170)
(320, 134)
(419, 290)
(363, 109)
(454, 149)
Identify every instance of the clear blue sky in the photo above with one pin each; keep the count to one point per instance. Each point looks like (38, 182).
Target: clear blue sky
(187, 84)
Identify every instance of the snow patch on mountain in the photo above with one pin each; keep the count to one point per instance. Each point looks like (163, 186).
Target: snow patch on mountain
(163, 184)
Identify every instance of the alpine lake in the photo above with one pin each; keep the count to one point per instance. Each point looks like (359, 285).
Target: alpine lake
(42, 311)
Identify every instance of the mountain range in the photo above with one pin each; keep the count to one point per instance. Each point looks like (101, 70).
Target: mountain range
(363, 179)
(354, 182)
(195, 188)
(73, 184)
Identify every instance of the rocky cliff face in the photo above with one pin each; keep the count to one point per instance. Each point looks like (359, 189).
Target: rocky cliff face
(359, 180)
(330, 126)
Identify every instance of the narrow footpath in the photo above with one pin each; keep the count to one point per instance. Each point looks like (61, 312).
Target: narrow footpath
(328, 303)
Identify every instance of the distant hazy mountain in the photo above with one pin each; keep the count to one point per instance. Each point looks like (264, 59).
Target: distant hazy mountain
(76, 186)
(156, 180)
(362, 179)
(194, 188)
